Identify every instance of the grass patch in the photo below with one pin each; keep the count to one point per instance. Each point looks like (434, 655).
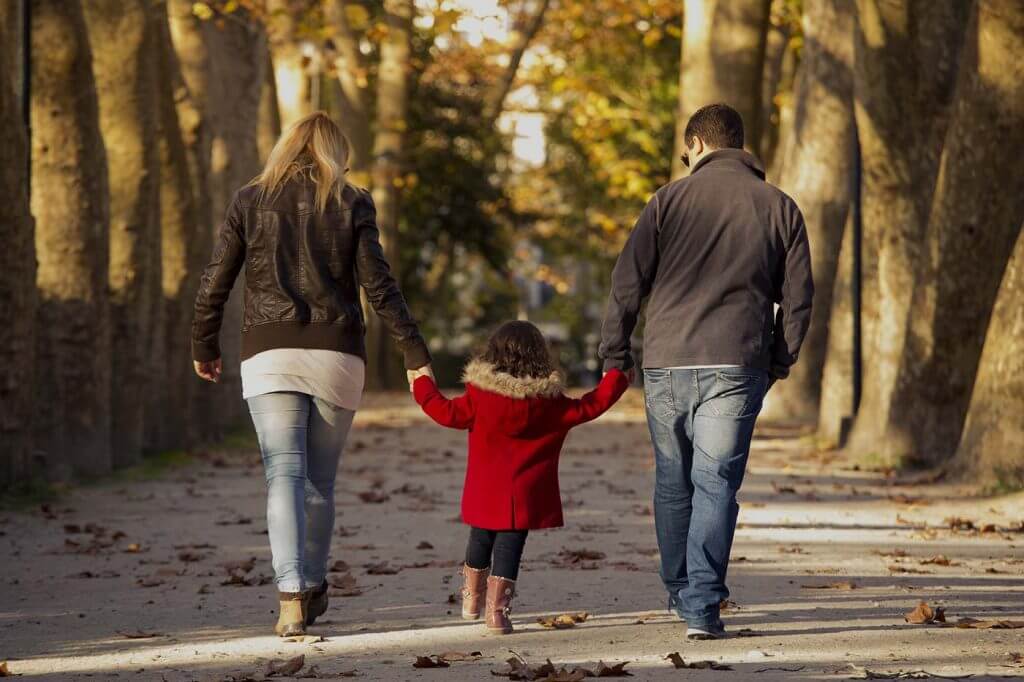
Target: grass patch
(152, 466)
(31, 493)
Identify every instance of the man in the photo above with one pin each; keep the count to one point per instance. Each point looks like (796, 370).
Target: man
(713, 252)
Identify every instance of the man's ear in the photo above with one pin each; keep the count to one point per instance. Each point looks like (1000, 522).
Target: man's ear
(697, 146)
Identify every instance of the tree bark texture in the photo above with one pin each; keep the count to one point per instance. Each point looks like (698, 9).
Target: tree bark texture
(291, 67)
(723, 51)
(17, 267)
(124, 67)
(817, 173)
(992, 445)
(392, 96)
(906, 57)
(973, 225)
(73, 328)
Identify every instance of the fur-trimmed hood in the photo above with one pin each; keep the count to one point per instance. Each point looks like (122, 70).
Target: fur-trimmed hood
(484, 376)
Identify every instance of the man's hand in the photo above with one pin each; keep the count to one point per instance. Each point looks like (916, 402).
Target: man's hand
(209, 370)
(413, 374)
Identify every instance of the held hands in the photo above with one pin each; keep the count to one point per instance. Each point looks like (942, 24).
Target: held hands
(209, 370)
(413, 374)
(630, 374)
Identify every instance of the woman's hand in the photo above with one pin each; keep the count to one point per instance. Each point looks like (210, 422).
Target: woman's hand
(413, 374)
(208, 370)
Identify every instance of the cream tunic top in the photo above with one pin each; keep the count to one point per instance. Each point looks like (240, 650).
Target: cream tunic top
(329, 375)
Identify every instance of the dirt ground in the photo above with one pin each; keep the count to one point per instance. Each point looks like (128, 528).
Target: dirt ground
(161, 579)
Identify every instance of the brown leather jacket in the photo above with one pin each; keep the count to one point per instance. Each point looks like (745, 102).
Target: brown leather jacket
(303, 271)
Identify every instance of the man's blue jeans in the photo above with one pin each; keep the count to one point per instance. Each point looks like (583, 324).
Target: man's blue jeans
(701, 422)
(301, 438)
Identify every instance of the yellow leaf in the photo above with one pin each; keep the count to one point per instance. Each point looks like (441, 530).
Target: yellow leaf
(357, 16)
(202, 10)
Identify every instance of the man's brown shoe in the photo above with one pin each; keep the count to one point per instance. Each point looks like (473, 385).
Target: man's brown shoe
(291, 620)
(474, 591)
(499, 605)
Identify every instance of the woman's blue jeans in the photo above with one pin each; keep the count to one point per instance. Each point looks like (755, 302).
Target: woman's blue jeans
(301, 438)
(701, 423)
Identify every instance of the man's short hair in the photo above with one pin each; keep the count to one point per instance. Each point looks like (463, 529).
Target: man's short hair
(718, 125)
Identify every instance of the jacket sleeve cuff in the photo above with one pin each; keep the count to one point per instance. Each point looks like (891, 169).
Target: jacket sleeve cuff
(417, 355)
(205, 352)
(625, 363)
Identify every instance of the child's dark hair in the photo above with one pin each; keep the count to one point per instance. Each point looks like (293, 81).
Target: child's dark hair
(518, 348)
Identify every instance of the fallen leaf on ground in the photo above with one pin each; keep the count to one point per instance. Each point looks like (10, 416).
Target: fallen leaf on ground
(563, 620)
(681, 663)
(728, 605)
(287, 667)
(896, 568)
(4, 670)
(189, 557)
(457, 656)
(424, 545)
(518, 669)
(133, 548)
(939, 560)
(578, 558)
(430, 662)
(924, 614)
(243, 565)
(305, 639)
(149, 582)
(381, 568)
(783, 489)
(1016, 658)
(139, 634)
(841, 585)
(614, 670)
(975, 624)
(958, 523)
(345, 581)
(374, 497)
(338, 566)
(865, 674)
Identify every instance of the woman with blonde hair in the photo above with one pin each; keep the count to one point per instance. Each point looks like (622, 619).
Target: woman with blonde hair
(308, 240)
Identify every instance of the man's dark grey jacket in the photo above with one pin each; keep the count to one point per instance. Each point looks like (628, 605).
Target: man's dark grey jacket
(714, 251)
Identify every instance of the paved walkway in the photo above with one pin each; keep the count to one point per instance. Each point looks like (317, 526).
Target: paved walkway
(163, 579)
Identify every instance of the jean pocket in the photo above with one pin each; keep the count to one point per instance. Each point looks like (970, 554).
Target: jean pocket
(658, 397)
(737, 393)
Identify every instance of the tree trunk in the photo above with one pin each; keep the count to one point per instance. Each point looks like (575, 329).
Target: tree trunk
(169, 409)
(392, 93)
(776, 81)
(238, 52)
(723, 50)
(973, 225)
(17, 267)
(835, 410)
(73, 332)
(124, 68)
(270, 116)
(906, 56)
(353, 95)
(992, 446)
(816, 173)
(192, 94)
(294, 95)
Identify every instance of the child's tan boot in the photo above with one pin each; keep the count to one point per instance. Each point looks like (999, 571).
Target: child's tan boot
(291, 620)
(474, 591)
(499, 605)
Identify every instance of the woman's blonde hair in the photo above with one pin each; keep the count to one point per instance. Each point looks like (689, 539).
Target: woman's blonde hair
(315, 145)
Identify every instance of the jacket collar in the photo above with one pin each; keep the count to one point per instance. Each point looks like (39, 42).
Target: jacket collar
(483, 375)
(732, 156)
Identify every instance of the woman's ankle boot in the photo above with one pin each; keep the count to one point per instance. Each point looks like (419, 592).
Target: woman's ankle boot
(474, 591)
(499, 605)
(317, 604)
(291, 620)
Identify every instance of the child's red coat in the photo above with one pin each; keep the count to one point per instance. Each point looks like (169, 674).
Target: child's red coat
(516, 430)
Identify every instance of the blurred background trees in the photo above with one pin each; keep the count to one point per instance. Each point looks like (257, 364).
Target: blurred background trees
(510, 145)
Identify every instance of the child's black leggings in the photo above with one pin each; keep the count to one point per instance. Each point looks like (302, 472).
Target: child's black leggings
(506, 546)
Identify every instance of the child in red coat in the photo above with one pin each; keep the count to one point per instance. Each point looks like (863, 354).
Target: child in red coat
(518, 418)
